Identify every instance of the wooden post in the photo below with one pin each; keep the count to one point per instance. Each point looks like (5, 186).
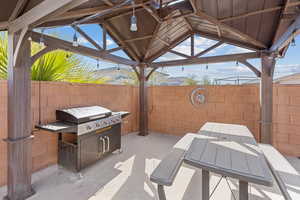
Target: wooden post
(143, 101)
(266, 98)
(19, 139)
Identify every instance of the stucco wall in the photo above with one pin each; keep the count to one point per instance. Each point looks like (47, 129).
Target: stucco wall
(170, 112)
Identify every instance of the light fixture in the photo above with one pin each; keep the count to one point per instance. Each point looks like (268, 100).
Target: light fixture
(42, 40)
(118, 68)
(206, 66)
(133, 20)
(98, 65)
(293, 43)
(75, 40)
(182, 68)
(237, 63)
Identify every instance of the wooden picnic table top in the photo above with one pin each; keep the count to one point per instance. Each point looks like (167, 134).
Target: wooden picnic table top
(229, 150)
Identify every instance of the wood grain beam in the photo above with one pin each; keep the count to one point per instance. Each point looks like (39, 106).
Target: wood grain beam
(209, 49)
(152, 12)
(286, 38)
(39, 54)
(87, 37)
(114, 49)
(230, 29)
(207, 60)
(18, 9)
(154, 35)
(115, 34)
(259, 12)
(226, 40)
(108, 2)
(251, 67)
(139, 38)
(179, 54)
(82, 50)
(43, 10)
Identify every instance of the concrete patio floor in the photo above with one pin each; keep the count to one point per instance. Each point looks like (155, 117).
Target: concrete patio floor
(126, 176)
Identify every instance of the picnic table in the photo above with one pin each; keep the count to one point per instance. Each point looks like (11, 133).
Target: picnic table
(230, 151)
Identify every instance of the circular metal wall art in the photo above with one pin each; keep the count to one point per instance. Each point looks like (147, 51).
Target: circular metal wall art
(198, 96)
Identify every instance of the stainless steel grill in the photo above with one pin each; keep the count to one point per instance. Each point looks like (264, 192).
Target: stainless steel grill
(86, 134)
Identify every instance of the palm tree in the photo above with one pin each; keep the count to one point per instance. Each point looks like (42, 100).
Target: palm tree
(54, 66)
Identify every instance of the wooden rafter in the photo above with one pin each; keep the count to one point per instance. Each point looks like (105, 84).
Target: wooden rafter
(230, 29)
(251, 67)
(41, 53)
(207, 60)
(179, 54)
(286, 38)
(226, 40)
(139, 38)
(43, 10)
(3, 25)
(154, 35)
(115, 34)
(150, 73)
(18, 9)
(114, 49)
(108, 2)
(209, 49)
(68, 46)
(152, 12)
(260, 12)
(87, 37)
(104, 38)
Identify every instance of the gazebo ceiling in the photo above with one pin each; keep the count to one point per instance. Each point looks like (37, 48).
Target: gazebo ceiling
(254, 24)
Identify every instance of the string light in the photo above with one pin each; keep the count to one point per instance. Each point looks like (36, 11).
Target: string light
(75, 40)
(206, 66)
(98, 65)
(42, 40)
(293, 43)
(118, 67)
(182, 68)
(133, 20)
(237, 63)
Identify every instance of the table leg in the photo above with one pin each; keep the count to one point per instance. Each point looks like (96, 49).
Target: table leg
(205, 184)
(243, 190)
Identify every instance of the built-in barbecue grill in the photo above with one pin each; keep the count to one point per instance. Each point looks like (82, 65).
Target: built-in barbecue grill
(86, 134)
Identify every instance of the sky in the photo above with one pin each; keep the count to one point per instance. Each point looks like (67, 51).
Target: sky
(284, 66)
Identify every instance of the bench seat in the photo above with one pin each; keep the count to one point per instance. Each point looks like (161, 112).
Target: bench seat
(285, 174)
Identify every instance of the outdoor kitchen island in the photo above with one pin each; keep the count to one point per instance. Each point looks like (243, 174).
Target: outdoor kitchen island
(85, 135)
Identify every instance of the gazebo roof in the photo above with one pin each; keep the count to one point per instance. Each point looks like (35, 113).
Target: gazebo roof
(254, 24)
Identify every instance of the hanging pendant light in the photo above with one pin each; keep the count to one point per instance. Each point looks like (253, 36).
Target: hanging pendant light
(75, 40)
(118, 68)
(98, 65)
(42, 40)
(206, 66)
(133, 20)
(182, 68)
(237, 63)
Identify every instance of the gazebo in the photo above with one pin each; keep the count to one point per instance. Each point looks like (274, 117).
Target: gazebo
(144, 30)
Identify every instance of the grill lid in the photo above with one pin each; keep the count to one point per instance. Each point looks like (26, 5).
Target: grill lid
(82, 114)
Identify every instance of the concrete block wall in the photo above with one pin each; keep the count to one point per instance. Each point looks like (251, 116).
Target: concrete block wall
(171, 112)
(286, 119)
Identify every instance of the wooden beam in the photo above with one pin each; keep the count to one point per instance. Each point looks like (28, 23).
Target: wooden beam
(150, 73)
(143, 101)
(226, 40)
(39, 54)
(259, 12)
(286, 38)
(114, 49)
(139, 38)
(108, 2)
(179, 54)
(208, 49)
(3, 25)
(67, 46)
(116, 35)
(18, 9)
(207, 60)
(45, 9)
(230, 29)
(251, 67)
(153, 13)
(193, 45)
(154, 35)
(19, 139)
(88, 38)
(266, 99)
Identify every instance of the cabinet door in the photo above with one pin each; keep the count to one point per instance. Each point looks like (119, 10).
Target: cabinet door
(91, 148)
(114, 138)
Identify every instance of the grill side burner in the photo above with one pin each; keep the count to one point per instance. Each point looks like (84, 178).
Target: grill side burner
(86, 135)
